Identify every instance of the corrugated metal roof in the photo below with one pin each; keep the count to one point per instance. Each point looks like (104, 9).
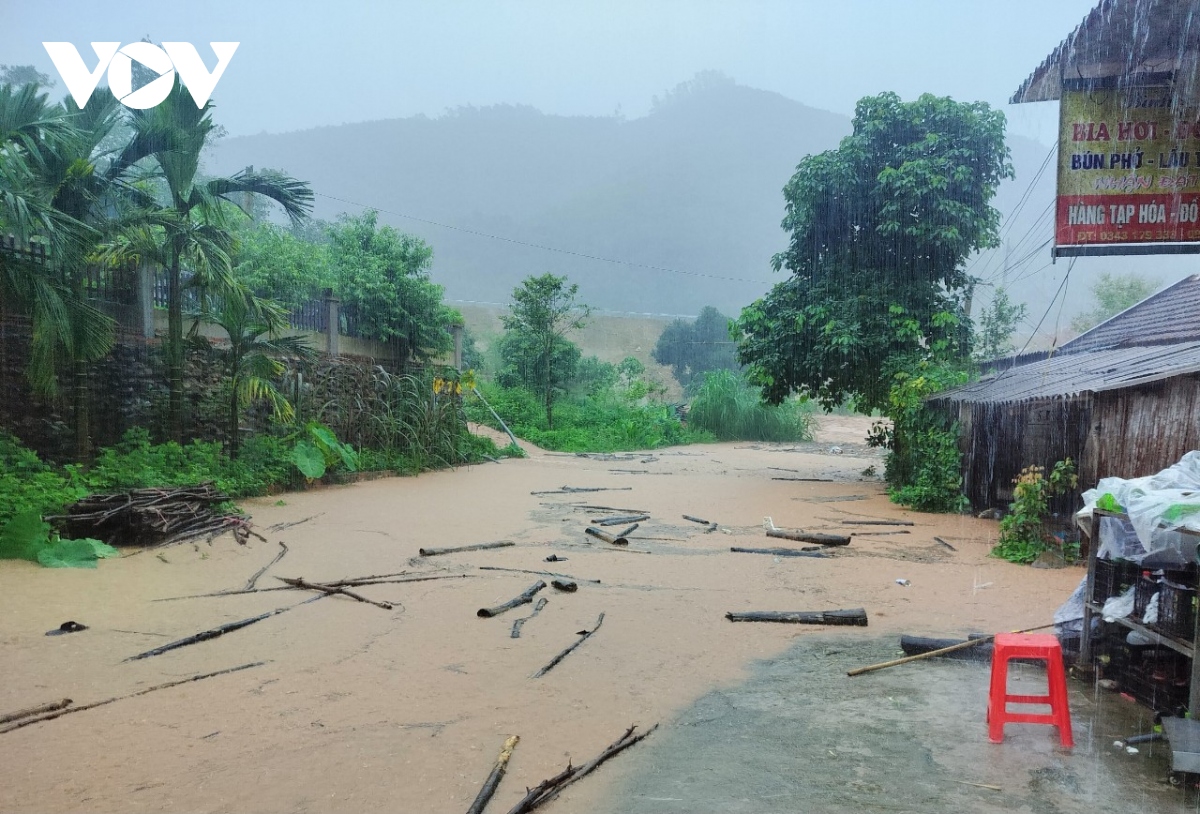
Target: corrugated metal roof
(1067, 375)
(1170, 316)
(1122, 38)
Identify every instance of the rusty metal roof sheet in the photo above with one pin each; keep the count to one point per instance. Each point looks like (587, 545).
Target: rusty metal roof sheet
(1066, 375)
(1169, 316)
(1125, 39)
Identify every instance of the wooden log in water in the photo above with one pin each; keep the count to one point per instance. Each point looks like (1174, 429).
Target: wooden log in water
(809, 537)
(493, 780)
(39, 710)
(622, 520)
(517, 623)
(878, 523)
(524, 599)
(435, 552)
(780, 552)
(584, 635)
(600, 534)
(854, 616)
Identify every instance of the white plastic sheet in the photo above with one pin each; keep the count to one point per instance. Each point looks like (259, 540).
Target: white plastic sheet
(1158, 506)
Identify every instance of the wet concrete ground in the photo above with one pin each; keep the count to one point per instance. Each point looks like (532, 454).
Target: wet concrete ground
(801, 736)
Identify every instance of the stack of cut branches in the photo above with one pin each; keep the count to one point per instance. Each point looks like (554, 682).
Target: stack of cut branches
(152, 517)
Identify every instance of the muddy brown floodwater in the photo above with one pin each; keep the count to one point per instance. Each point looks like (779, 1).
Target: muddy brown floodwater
(358, 708)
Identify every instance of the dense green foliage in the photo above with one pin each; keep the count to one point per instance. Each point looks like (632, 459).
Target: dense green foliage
(1023, 533)
(923, 467)
(880, 229)
(609, 420)
(728, 407)
(534, 350)
(692, 349)
(1114, 293)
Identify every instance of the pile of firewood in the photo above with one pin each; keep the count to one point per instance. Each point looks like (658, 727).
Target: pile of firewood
(152, 517)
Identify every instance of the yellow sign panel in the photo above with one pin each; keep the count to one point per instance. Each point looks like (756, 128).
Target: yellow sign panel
(1128, 168)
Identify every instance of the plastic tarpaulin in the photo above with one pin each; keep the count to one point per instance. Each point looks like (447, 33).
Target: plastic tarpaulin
(1159, 507)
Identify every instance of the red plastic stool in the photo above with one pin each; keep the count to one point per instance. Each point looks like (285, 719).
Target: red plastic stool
(1028, 646)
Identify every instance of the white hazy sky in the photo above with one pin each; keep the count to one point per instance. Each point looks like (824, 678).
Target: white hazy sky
(304, 64)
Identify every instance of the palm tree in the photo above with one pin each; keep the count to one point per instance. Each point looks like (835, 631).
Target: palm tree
(43, 157)
(252, 359)
(190, 226)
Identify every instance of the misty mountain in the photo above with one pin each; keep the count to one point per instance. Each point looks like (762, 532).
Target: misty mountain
(695, 186)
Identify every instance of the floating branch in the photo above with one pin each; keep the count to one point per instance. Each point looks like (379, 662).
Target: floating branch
(517, 623)
(205, 635)
(66, 711)
(250, 583)
(574, 490)
(781, 552)
(878, 523)
(624, 533)
(282, 526)
(605, 536)
(594, 508)
(855, 616)
(30, 711)
(622, 520)
(493, 780)
(435, 552)
(566, 586)
(809, 537)
(697, 520)
(807, 480)
(540, 573)
(330, 590)
(584, 635)
(524, 599)
(549, 789)
(878, 533)
(943, 542)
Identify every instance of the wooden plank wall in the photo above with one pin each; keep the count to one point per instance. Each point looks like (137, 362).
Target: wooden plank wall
(1142, 430)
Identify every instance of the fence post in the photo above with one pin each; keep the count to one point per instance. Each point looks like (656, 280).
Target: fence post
(145, 300)
(332, 322)
(457, 332)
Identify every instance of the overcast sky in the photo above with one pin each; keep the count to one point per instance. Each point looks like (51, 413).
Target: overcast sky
(303, 64)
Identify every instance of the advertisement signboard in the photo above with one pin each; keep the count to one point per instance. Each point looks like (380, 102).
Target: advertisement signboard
(1128, 173)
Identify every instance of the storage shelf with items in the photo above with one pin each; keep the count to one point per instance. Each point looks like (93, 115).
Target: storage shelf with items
(1163, 616)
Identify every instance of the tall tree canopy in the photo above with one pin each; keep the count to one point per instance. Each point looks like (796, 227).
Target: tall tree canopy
(535, 351)
(692, 349)
(1114, 293)
(880, 229)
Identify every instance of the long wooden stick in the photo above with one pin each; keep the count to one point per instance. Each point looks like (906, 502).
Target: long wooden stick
(539, 573)
(30, 711)
(809, 537)
(205, 635)
(550, 788)
(517, 623)
(332, 589)
(250, 583)
(524, 599)
(59, 713)
(583, 638)
(435, 552)
(857, 671)
(779, 552)
(493, 780)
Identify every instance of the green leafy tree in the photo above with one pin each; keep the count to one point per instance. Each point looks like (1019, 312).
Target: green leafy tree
(276, 263)
(997, 323)
(692, 349)
(880, 229)
(189, 226)
(255, 329)
(535, 351)
(382, 276)
(1114, 293)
